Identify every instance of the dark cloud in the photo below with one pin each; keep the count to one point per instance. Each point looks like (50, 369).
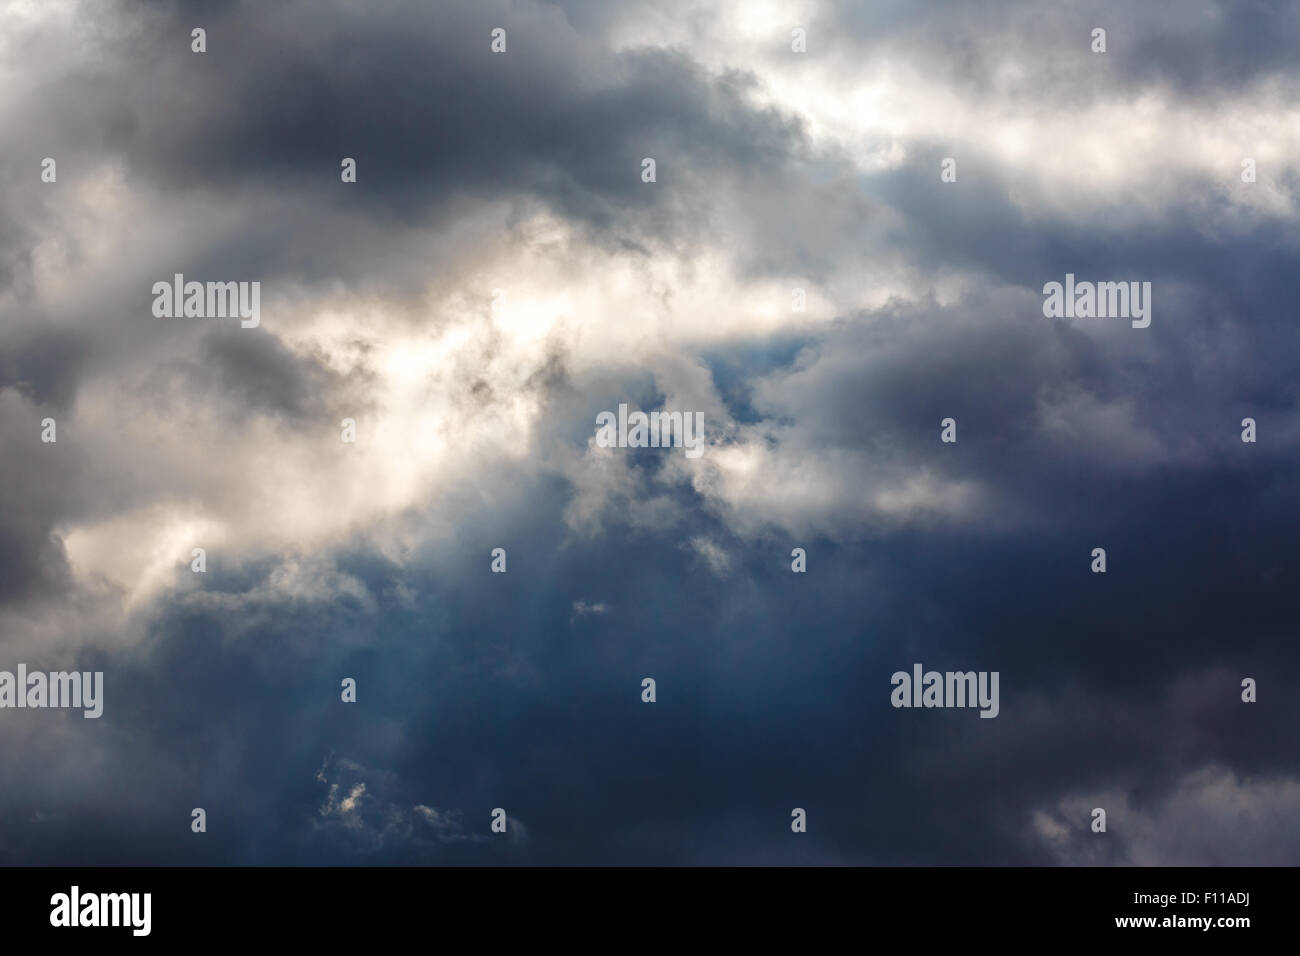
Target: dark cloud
(1206, 50)
(479, 690)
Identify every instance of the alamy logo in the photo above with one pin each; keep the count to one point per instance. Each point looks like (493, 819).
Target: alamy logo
(1098, 300)
(951, 689)
(53, 689)
(656, 430)
(103, 909)
(211, 300)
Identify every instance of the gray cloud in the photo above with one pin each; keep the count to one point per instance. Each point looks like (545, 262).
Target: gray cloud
(475, 412)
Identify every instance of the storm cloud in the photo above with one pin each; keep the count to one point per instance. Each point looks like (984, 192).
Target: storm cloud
(498, 275)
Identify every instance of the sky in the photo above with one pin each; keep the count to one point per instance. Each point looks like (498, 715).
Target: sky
(912, 173)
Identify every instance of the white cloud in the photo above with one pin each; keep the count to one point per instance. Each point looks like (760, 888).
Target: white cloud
(1210, 817)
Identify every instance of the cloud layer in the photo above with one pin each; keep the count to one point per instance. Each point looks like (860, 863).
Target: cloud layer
(498, 275)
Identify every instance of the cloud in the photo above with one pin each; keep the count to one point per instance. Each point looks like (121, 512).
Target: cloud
(582, 609)
(498, 276)
(1211, 817)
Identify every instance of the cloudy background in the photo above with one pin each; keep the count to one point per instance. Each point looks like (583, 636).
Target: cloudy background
(475, 430)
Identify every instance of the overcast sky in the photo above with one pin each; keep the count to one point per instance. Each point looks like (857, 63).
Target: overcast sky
(498, 275)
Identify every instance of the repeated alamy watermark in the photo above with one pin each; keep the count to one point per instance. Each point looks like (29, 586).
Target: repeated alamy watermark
(208, 300)
(653, 430)
(950, 689)
(53, 689)
(1098, 300)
